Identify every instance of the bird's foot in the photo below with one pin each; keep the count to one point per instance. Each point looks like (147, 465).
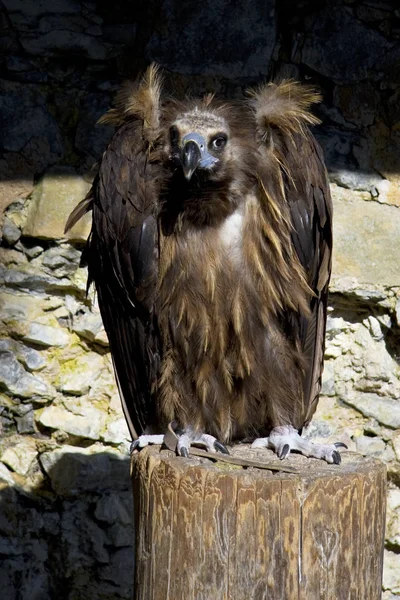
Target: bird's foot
(286, 438)
(189, 438)
(180, 440)
(146, 440)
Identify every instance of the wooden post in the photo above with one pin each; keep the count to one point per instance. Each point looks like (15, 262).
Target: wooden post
(211, 531)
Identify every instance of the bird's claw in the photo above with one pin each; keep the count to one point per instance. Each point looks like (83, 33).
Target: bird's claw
(284, 452)
(285, 439)
(181, 441)
(340, 445)
(220, 447)
(183, 451)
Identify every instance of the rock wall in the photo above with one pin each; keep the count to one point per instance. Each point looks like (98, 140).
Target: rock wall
(65, 515)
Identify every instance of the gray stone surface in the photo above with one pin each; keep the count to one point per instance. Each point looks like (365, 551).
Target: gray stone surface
(73, 470)
(27, 126)
(88, 423)
(37, 281)
(11, 233)
(20, 457)
(384, 410)
(242, 47)
(45, 335)
(391, 572)
(30, 358)
(18, 382)
(91, 138)
(334, 35)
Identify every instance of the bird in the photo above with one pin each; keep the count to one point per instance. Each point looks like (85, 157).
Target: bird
(210, 252)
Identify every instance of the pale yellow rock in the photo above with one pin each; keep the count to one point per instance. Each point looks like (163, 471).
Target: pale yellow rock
(88, 424)
(391, 572)
(20, 457)
(53, 200)
(366, 235)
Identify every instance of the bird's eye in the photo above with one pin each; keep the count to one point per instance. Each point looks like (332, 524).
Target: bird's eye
(219, 142)
(174, 135)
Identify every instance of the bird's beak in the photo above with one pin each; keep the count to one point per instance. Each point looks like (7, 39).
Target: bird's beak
(191, 156)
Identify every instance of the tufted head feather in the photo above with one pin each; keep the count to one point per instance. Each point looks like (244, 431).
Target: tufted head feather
(139, 100)
(284, 106)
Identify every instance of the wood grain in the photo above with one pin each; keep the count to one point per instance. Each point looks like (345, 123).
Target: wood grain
(211, 531)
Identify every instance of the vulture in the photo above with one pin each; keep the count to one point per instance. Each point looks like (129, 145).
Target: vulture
(210, 252)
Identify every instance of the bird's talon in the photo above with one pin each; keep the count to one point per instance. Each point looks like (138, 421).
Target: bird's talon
(184, 452)
(340, 445)
(134, 446)
(337, 459)
(220, 447)
(285, 451)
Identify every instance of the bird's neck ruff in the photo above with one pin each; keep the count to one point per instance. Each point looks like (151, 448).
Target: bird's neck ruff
(197, 203)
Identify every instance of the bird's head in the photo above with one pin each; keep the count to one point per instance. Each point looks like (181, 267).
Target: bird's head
(199, 143)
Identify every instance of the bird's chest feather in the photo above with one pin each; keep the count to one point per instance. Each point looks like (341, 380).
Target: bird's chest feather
(209, 303)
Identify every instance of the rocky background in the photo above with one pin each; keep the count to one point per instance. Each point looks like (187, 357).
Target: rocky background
(65, 512)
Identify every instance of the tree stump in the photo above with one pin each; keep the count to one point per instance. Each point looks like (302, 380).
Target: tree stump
(212, 531)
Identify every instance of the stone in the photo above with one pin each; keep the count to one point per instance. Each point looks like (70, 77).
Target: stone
(27, 280)
(16, 179)
(61, 261)
(91, 138)
(85, 543)
(46, 335)
(121, 535)
(32, 251)
(393, 518)
(396, 444)
(354, 178)
(27, 127)
(54, 42)
(365, 235)
(11, 233)
(373, 446)
(53, 199)
(20, 457)
(88, 326)
(335, 325)
(117, 432)
(6, 476)
(78, 376)
(111, 508)
(30, 358)
(18, 382)
(359, 103)
(40, 7)
(20, 306)
(385, 410)
(242, 48)
(375, 328)
(73, 470)
(120, 569)
(391, 572)
(11, 258)
(26, 423)
(88, 424)
(328, 379)
(332, 35)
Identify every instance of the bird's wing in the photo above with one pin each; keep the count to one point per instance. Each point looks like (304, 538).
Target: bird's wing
(282, 124)
(310, 205)
(122, 258)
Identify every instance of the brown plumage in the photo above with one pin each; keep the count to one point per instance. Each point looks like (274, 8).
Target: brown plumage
(211, 255)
